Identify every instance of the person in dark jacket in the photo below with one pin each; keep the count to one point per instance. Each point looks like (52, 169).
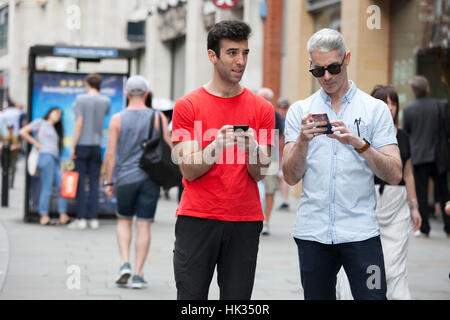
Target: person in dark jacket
(420, 121)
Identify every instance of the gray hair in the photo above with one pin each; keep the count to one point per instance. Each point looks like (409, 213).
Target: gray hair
(420, 86)
(327, 40)
(267, 93)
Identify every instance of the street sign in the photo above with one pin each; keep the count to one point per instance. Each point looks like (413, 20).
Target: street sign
(225, 4)
(85, 52)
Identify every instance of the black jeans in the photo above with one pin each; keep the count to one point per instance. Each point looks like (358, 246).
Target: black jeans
(422, 175)
(363, 263)
(201, 244)
(88, 162)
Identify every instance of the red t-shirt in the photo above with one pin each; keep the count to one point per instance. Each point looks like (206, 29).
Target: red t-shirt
(226, 192)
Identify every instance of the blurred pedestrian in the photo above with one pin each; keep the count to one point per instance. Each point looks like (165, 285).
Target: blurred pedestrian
(282, 108)
(23, 120)
(14, 146)
(90, 111)
(270, 181)
(10, 115)
(48, 139)
(137, 194)
(219, 218)
(23, 116)
(447, 208)
(336, 221)
(420, 121)
(397, 208)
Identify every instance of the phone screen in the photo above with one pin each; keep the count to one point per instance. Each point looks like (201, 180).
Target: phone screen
(321, 117)
(243, 128)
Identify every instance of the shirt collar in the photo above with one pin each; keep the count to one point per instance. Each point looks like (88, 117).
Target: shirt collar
(347, 97)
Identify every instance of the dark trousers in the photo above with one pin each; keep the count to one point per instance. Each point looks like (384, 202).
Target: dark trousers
(363, 263)
(88, 162)
(201, 244)
(422, 175)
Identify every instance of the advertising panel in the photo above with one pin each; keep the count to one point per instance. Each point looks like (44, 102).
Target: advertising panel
(55, 89)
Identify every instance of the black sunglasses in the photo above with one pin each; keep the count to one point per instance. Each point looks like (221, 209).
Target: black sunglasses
(332, 69)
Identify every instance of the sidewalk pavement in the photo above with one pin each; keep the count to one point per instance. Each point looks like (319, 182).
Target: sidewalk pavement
(46, 262)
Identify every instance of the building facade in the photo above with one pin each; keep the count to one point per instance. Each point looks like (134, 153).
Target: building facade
(176, 60)
(390, 42)
(169, 36)
(58, 22)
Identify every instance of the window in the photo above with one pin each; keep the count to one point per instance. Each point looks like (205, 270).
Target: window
(316, 5)
(4, 13)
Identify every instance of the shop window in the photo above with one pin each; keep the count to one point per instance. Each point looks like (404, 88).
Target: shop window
(316, 5)
(178, 48)
(421, 33)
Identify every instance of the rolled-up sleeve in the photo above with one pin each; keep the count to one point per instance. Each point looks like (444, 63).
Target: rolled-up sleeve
(384, 129)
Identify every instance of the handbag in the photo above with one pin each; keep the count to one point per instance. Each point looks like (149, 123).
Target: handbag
(69, 184)
(32, 162)
(443, 143)
(156, 159)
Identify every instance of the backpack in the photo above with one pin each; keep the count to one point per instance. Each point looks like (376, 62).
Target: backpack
(156, 159)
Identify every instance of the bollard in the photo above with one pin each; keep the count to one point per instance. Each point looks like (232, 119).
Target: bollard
(5, 173)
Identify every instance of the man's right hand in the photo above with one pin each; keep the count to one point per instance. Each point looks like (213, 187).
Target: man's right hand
(310, 128)
(225, 138)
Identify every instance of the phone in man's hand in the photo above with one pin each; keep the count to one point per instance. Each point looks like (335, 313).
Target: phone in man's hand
(321, 117)
(241, 128)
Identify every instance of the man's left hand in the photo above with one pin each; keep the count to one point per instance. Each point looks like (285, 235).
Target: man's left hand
(345, 136)
(246, 141)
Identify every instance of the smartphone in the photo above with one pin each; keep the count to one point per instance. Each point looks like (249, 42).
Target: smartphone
(321, 117)
(242, 128)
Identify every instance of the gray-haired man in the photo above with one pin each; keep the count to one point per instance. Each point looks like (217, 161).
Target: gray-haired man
(336, 222)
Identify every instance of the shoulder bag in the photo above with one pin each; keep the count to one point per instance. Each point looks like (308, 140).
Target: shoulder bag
(156, 159)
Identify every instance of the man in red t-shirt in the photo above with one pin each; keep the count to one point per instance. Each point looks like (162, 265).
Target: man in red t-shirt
(219, 218)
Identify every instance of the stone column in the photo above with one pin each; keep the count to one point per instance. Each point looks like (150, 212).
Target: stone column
(253, 77)
(369, 47)
(198, 68)
(299, 28)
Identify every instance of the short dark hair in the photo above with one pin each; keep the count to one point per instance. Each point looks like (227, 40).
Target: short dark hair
(420, 86)
(231, 30)
(383, 92)
(94, 81)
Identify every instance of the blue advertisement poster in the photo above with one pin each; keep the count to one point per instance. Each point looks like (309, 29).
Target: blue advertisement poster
(55, 89)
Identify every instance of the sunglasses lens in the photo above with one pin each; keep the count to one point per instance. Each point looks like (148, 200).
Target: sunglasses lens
(334, 69)
(318, 72)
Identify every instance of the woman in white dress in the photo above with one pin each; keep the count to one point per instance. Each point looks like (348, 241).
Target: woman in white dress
(397, 210)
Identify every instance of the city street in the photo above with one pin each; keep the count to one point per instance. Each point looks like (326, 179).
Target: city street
(53, 262)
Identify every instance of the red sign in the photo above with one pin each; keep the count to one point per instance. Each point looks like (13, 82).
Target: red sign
(225, 4)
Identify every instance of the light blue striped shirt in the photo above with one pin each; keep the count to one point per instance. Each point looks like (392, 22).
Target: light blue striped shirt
(338, 199)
